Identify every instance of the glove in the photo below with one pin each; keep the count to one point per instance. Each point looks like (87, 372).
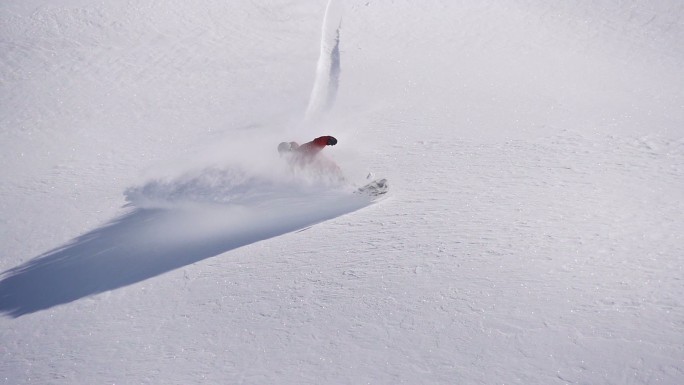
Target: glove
(332, 141)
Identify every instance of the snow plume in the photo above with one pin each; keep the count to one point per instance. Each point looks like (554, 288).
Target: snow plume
(229, 185)
(234, 194)
(242, 169)
(328, 69)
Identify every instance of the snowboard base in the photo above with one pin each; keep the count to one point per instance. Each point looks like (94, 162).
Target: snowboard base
(375, 188)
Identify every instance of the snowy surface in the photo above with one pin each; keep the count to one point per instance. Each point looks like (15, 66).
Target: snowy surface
(533, 233)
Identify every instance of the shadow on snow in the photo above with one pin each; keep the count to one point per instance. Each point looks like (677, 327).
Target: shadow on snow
(149, 242)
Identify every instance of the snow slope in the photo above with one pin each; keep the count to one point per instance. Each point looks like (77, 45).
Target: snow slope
(532, 234)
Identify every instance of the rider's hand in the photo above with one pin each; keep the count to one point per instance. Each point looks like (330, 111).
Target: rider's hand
(332, 141)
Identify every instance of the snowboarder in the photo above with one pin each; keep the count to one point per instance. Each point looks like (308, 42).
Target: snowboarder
(306, 156)
(307, 151)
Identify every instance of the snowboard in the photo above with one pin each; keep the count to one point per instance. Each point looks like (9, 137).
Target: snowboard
(375, 188)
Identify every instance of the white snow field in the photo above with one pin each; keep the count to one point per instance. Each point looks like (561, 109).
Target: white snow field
(533, 232)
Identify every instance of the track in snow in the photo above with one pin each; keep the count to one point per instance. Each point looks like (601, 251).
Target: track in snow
(328, 70)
